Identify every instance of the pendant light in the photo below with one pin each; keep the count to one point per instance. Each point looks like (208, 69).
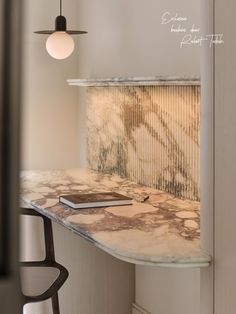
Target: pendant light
(60, 44)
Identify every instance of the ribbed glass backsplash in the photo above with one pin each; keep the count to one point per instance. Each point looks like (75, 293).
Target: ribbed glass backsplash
(149, 134)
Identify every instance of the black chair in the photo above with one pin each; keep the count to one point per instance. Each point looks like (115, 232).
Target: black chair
(41, 280)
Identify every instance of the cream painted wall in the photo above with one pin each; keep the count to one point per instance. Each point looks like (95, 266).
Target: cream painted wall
(219, 171)
(49, 137)
(225, 155)
(125, 38)
(168, 291)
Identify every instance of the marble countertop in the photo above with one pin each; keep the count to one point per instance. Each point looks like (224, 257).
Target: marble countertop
(161, 231)
(135, 81)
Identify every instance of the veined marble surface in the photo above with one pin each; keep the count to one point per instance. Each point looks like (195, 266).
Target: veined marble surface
(135, 81)
(149, 134)
(162, 231)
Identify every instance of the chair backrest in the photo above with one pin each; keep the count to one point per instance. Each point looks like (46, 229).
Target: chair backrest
(48, 234)
(51, 274)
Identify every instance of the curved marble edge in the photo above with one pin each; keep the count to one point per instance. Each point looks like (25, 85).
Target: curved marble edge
(135, 81)
(203, 261)
(177, 264)
(195, 257)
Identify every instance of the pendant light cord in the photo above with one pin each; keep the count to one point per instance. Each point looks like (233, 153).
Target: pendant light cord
(60, 7)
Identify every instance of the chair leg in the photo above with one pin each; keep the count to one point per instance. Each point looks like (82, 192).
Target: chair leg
(55, 304)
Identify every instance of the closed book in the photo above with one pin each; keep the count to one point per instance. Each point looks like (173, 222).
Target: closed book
(95, 200)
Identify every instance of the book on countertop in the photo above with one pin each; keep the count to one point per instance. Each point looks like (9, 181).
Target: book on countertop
(95, 200)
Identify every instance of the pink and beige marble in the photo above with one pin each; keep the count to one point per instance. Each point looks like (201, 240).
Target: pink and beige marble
(163, 230)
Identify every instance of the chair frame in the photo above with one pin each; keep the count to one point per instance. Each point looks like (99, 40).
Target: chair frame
(49, 261)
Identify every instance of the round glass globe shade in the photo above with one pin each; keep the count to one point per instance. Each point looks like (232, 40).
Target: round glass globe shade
(60, 45)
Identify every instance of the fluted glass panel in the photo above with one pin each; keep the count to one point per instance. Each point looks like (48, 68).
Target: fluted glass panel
(149, 134)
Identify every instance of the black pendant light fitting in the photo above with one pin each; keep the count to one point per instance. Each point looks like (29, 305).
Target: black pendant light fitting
(60, 26)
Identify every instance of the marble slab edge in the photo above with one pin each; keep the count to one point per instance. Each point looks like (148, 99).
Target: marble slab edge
(204, 260)
(174, 264)
(135, 81)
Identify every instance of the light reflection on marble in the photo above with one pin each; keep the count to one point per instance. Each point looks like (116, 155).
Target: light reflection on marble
(162, 231)
(149, 134)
